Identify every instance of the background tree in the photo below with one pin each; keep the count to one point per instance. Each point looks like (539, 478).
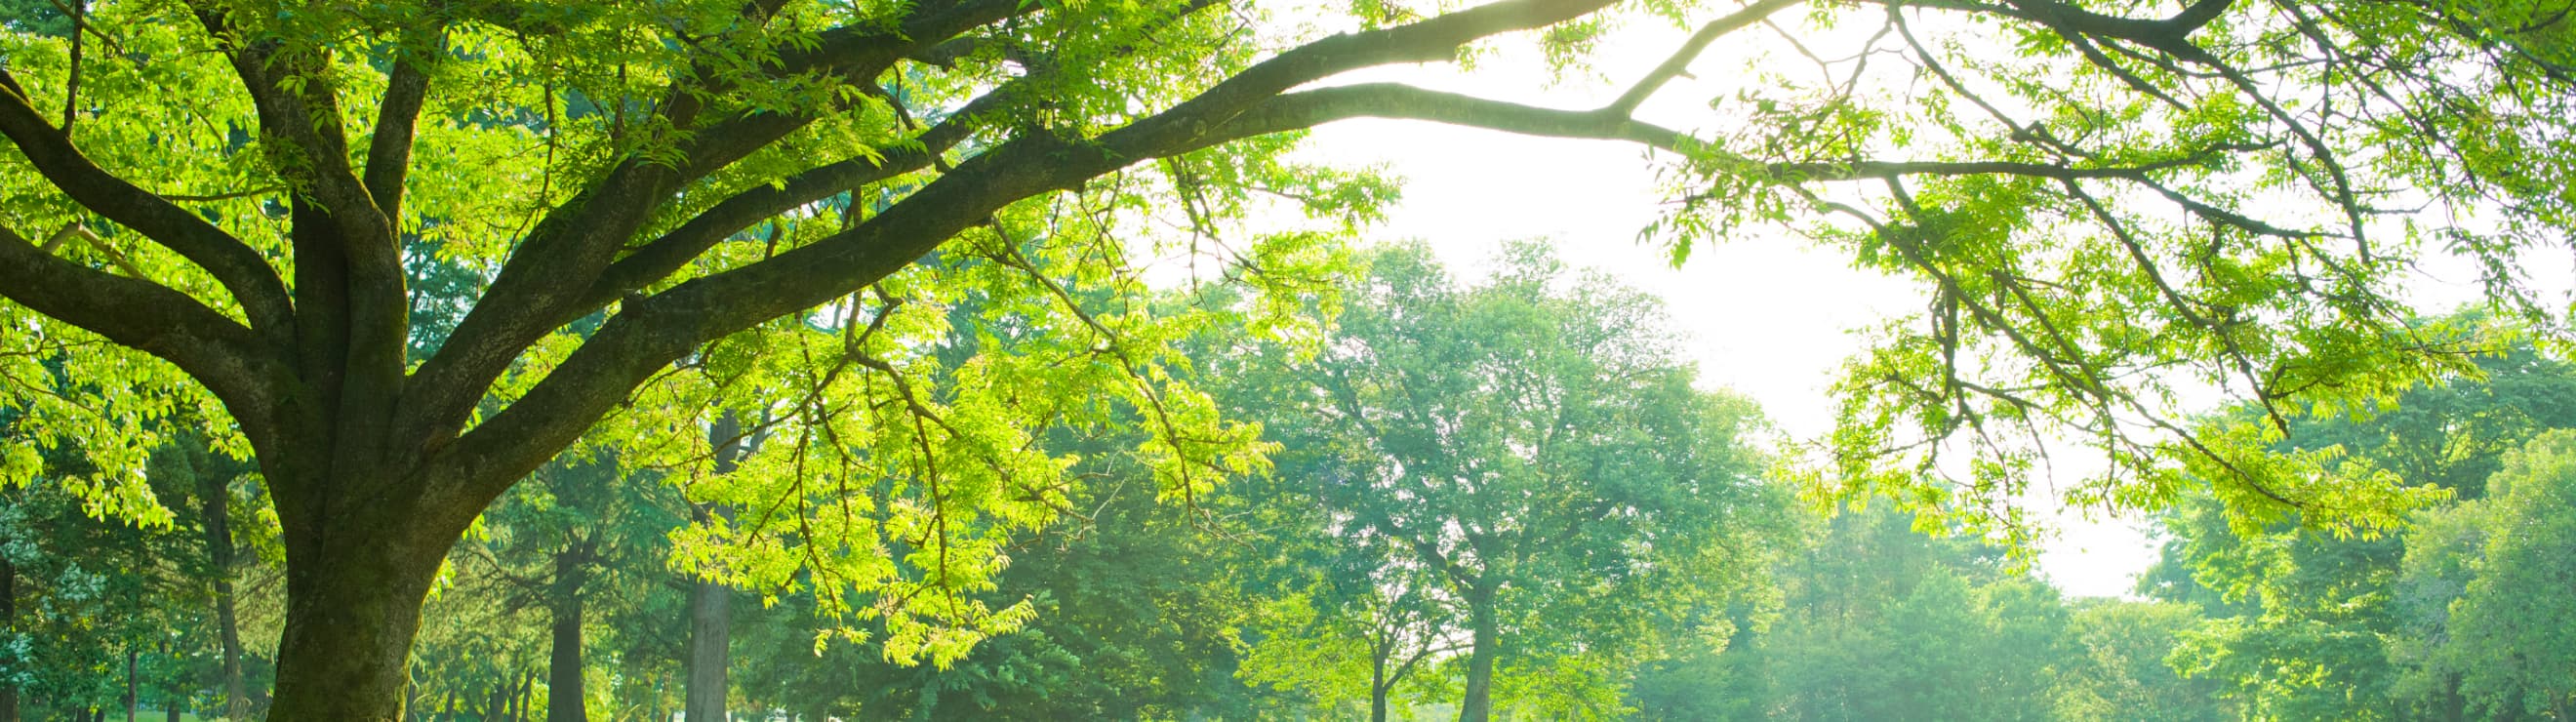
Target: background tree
(1137, 619)
(2514, 617)
(2124, 674)
(2310, 624)
(1531, 446)
(1879, 621)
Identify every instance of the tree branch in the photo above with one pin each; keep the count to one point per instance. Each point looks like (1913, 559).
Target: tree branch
(389, 151)
(233, 263)
(343, 242)
(1310, 108)
(651, 332)
(306, 121)
(222, 354)
(2170, 35)
(667, 253)
(1432, 40)
(1690, 50)
(577, 240)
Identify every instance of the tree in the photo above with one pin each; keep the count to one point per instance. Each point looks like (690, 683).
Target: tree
(2307, 624)
(1880, 621)
(2442, 551)
(221, 191)
(1367, 632)
(1137, 619)
(2123, 673)
(2516, 617)
(1529, 449)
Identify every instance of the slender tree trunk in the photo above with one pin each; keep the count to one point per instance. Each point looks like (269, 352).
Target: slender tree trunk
(563, 670)
(131, 656)
(661, 693)
(711, 604)
(9, 621)
(2454, 706)
(1378, 687)
(1479, 704)
(175, 698)
(710, 619)
(215, 504)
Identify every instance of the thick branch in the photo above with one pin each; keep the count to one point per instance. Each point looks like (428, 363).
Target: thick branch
(233, 263)
(353, 340)
(218, 352)
(666, 254)
(2171, 35)
(1311, 108)
(306, 121)
(389, 152)
(649, 333)
(1307, 109)
(1433, 40)
(576, 241)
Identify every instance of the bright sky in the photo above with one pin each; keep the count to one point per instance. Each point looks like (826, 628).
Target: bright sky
(1767, 317)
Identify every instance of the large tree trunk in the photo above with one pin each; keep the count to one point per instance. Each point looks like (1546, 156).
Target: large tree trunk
(563, 669)
(353, 602)
(1478, 706)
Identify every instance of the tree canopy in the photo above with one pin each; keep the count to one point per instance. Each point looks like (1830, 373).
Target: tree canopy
(1518, 468)
(662, 215)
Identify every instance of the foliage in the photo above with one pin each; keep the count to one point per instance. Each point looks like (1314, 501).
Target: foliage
(1882, 622)
(2124, 674)
(2515, 617)
(677, 212)
(1518, 468)
(2308, 624)
(1137, 619)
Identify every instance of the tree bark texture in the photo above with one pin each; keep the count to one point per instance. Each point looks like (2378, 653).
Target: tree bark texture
(710, 618)
(1378, 689)
(352, 610)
